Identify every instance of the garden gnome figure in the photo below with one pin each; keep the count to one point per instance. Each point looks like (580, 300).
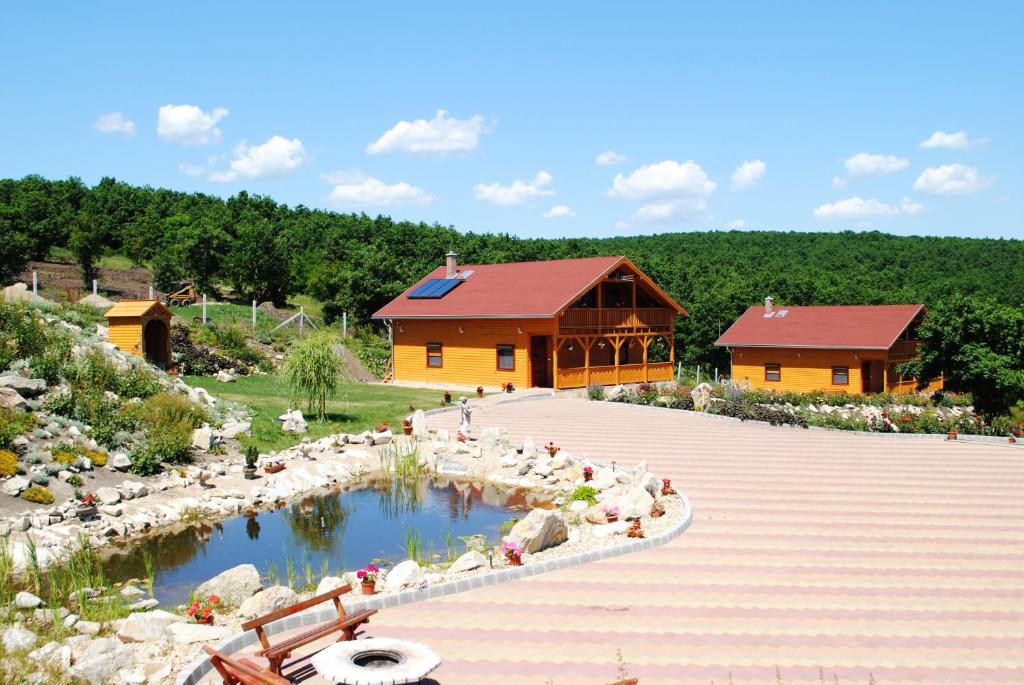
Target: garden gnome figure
(465, 413)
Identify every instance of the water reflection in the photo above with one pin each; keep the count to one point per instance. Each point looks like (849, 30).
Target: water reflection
(338, 531)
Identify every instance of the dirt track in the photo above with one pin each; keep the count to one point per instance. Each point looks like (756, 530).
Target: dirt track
(55, 278)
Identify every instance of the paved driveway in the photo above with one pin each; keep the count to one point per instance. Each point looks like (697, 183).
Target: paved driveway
(865, 556)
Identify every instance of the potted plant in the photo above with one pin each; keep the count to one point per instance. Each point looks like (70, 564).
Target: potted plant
(951, 435)
(251, 455)
(512, 553)
(201, 610)
(480, 392)
(552, 448)
(86, 509)
(666, 487)
(447, 398)
(274, 467)
(381, 427)
(407, 426)
(588, 474)
(611, 514)
(657, 510)
(368, 579)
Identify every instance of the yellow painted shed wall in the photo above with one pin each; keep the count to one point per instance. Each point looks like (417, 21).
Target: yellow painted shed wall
(802, 370)
(469, 358)
(126, 333)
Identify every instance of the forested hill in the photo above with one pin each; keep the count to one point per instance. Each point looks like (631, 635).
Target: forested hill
(267, 250)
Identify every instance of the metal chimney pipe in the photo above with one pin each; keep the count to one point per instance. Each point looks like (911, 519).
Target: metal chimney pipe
(452, 262)
(769, 306)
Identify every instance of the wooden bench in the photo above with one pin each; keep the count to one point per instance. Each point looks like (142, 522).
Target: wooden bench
(346, 624)
(242, 671)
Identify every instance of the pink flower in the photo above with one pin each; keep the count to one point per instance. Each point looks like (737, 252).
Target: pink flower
(360, 574)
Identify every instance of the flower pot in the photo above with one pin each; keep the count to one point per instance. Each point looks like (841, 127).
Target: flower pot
(407, 430)
(85, 513)
(1012, 440)
(951, 435)
(369, 588)
(479, 393)
(612, 518)
(249, 473)
(273, 468)
(515, 561)
(208, 621)
(587, 477)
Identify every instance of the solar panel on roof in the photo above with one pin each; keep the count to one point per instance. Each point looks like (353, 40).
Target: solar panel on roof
(434, 289)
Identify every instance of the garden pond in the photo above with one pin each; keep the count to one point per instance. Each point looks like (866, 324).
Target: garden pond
(325, 534)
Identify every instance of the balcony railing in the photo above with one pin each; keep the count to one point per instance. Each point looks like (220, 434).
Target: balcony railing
(608, 319)
(580, 377)
(904, 348)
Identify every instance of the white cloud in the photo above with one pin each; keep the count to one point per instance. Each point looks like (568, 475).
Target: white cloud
(114, 122)
(858, 208)
(667, 179)
(192, 169)
(437, 136)
(558, 211)
(953, 141)
(866, 164)
(517, 193)
(343, 177)
(610, 158)
(736, 223)
(189, 125)
(273, 159)
(691, 208)
(951, 179)
(372, 192)
(747, 174)
(838, 182)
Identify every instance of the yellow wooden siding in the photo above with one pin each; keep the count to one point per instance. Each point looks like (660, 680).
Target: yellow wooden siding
(802, 370)
(126, 334)
(469, 357)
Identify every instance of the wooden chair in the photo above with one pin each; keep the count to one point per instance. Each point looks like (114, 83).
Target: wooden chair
(346, 624)
(242, 671)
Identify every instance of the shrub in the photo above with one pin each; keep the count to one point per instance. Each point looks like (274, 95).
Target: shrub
(97, 457)
(8, 463)
(13, 424)
(167, 410)
(584, 493)
(66, 455)
(194, 360)
(38, 494)
(312, 370)
(40, 478)
(75, 481)
(145, 461)
(54, 361)
(595, 392)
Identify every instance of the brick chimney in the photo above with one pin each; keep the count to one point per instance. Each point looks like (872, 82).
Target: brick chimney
(769, 306)
(452, 261)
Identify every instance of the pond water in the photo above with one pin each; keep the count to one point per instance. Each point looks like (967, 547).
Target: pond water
(337, 531)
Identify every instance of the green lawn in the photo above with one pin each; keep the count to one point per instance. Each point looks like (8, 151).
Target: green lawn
(225, 314)
(356, 408)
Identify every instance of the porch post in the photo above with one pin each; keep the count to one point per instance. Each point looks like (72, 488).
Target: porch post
(586, 360)
(646, 341)
(672, 343)
(554, 363)
(618, 344)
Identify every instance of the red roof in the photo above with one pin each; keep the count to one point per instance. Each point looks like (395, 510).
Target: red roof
(867, 327)
(514, 290)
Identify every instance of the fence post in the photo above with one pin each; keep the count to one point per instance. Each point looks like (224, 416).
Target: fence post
(344, 324)
(204, 309)
(254, 317)
(302, 319)
(151, 292)
(35, 283)
(95, 287)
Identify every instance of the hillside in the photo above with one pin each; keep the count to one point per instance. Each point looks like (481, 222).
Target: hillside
(253, 247)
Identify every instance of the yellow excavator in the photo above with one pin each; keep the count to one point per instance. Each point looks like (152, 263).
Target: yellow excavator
(184, 295)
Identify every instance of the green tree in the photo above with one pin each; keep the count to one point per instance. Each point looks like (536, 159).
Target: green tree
(87, 245)
(312, 369)
(15, 247)
(257, 264)
(978, 345)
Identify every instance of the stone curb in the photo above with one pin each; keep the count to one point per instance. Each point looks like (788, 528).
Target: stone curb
(201, 667)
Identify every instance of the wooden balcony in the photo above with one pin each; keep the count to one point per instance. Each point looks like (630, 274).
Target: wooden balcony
(904, 349)
(612, 320)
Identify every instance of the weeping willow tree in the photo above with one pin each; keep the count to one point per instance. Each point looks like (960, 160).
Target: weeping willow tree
(311, 369)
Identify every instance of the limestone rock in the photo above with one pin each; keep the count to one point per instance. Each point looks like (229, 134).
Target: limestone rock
(52, 655)
(293, 422)
(419, 425)
(26, 600)
(529, 448)
(634, 502)
(101, 659)
(403, 575)
(188, 633)
(202, 438)
(233, 586)
(468, 561)
(18, 639)
(26, 387)
(232, 429)
(135, 488)
(328, 583)
(225, 377)
(108, 495)
(10, 399)
(383, 437)
(87, 628)
(267, 601)
(617, 528)
(147, 627)
(542, 528)
(119, 461)
(578, 506)
(14, 485)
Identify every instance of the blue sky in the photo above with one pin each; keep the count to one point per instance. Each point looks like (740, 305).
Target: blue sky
(802, 116)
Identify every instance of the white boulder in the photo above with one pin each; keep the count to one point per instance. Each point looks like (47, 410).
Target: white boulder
(267, 601)
(540, 529)
(188, 633)
(403, 575)
(150, 626)
(468, 561)
(233, 586)
(18, 639)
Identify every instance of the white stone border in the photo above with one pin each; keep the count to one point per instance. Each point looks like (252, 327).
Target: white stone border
(198, 669)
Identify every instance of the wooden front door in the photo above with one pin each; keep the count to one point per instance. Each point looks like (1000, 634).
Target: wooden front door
(540, 362)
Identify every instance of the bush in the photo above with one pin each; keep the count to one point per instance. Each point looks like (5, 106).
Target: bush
(38, 494)
(75, 481)
(66, 455)
(167, 410)
(195, 361)
(53, 363)
(23, 333)
(13, 424)
(8, 463)
(372, 349)
(584, 493)
(96, 457)
(595, 392)
(145, 461)
(40, 478)
(169, 420)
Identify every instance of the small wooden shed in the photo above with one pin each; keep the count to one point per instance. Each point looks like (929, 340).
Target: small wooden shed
(142, 328)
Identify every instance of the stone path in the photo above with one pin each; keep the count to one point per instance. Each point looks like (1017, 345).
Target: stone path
(878, 559)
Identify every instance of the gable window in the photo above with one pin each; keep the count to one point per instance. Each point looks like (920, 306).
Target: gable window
(506, 357)
(840, 375)
(435, 358)
(773, 372)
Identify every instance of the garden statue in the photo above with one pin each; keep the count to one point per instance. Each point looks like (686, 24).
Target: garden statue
(701, 397)
(465, 414)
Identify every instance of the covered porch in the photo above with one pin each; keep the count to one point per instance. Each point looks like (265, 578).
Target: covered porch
(585, 359)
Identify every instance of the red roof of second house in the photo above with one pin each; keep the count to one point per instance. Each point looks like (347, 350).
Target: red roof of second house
(513, 290)
(874, 327)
